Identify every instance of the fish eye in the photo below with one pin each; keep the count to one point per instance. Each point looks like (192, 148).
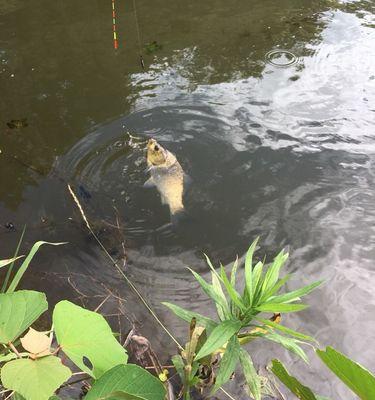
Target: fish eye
(156, 148)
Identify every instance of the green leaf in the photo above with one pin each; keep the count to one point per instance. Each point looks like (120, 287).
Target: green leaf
(131, 380)
(187, 316)
(280, 307)
(11, 356)
(17, 277)
(354, 375)
(179, 365)
(234, 273)
(289, 343)
(211, 292)
(279, 284)
(286, 330)
(18, 311)
(272, 274)
(85, 335)
(34, 379)
(301, 391)
(221, 311)
(257, 281)
(228, 363)
(296, 294)
(251, 376)
(218, 337)
(233, 294)
(249, 272)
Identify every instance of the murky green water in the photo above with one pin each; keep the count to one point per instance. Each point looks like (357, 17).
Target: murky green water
(286, 153)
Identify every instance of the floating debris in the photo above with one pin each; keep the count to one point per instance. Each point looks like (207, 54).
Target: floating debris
(152, 47)
(17, 123)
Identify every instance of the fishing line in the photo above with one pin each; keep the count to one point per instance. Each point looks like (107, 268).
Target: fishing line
(138, 35)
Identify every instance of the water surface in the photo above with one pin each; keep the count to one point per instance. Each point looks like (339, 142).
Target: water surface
(286, 153)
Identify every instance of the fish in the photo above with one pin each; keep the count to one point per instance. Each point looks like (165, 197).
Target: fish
(167, 176)
(17, 123)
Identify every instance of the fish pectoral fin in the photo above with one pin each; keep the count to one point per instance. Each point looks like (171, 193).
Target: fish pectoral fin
(149, 183)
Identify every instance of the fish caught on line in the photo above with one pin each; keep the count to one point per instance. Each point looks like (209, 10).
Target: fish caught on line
(167, 176)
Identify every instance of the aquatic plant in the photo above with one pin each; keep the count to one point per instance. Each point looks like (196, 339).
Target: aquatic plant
(239, 322)
(31, 367)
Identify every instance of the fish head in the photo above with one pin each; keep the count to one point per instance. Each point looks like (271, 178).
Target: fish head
(156, 154)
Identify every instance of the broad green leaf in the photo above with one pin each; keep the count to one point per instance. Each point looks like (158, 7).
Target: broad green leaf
(120, 396)
(3, 263)
(18, 311)
(187, 316)
(129, 379)
(286, 330)
(34, 379)
(228, 363)
(280, 307)
(233, 294)
(289, 343)
(296, 294)
(85, 335)
(22, 269)
(251, 376)
(211, 292)
(218, 337)
(354, 375)
(249, 272)
(301, 391)
(11, 356)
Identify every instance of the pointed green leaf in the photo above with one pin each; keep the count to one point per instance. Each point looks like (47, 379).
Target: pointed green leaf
(296, 294)
(279, 284)
(251, 376)
(17, 277)
(18, 311)
(289, 343)
(234, 273)
(249, 272)
(221, 311)
(228, 363)
(218, 338)
(131, 380)
(86, 338)
(210, 291)
(286, 330)
(34, 379)
(301, 391)
(233, 294)
(354, 375)
(187, 316)
(272, 274)
(280, 307)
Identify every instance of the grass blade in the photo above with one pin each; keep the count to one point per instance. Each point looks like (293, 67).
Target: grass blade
(9, 272)
(219, 291)
(218, 337)
(17, 277)
(8, 261)
(273, 271)
(233, 294)
(234, 272)
(251, 376)
(187, 316)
